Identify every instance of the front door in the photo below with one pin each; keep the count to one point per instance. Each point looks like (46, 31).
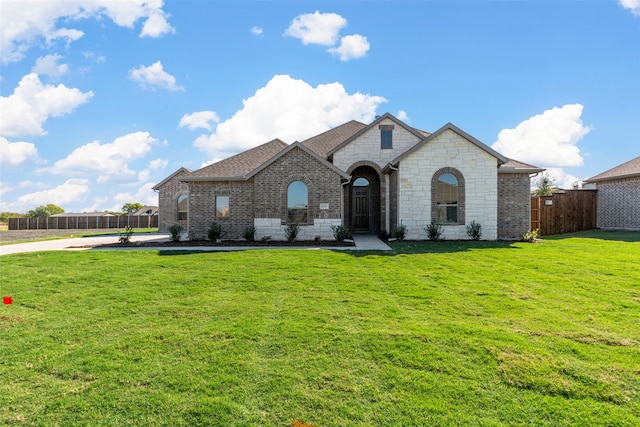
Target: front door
(361, 199)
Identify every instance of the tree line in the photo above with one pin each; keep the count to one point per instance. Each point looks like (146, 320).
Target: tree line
(50, 209)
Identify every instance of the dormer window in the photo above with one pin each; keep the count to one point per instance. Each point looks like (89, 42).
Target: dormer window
(386, 137)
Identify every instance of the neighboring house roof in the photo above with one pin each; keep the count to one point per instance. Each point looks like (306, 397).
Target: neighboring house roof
(146, 210)
(514, 166)
(325, 142)
(626, 170)
(418, 133)
(170, 177)
(454, 128)
(238, 166)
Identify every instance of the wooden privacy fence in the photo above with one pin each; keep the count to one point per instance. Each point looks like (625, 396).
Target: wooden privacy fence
(83, 222)
(564, 212)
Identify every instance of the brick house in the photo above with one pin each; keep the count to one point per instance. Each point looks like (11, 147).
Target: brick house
(619, 196)
(369, 178)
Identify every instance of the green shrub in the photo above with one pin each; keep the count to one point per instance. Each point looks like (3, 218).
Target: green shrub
(291, 231)
(531, 236)
(249, 234)
(474, 230)
(434, 231)
(340, 232)
(174, 232)
(215, 231)
(400, 232)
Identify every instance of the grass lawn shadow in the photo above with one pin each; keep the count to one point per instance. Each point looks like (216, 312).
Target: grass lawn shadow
(609, 235)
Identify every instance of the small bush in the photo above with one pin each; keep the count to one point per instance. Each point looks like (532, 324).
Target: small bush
(434, 231)
(474, 230)
(125, 236)
(400, 232)
(340, 232)
(531, 236)
(215, 231)
(249, 234)
(265, 239)
(291, 231)
(174, 232)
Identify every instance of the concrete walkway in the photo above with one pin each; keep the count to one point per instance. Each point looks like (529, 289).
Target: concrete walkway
(362, 243)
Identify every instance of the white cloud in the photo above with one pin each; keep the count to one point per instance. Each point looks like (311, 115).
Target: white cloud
(25, 23)
(144, 195)
(316, 28)
(48, 65)
(110, 161)
(257, 31)
(402, 115)
(632, 5)
(158, 164)
(156, 25)
(351, 47)
(288, 109)
(199, 120)
(560, 179)
(5, 187)
(154, 76)
(16, 153)
(547, 139)
(69, 192)
(31, 104)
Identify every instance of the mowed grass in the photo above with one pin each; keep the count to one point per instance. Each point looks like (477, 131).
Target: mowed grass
(433, 334)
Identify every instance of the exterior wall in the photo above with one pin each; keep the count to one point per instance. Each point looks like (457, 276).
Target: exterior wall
(619, 203)
(202, 208)
(168, 203)
(367, 147)
(480, 172)
(514, 205)
(270, 196)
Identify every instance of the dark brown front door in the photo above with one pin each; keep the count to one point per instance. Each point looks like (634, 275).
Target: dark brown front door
(360, 208)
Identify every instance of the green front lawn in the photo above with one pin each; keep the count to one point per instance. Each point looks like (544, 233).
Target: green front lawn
(434, 334)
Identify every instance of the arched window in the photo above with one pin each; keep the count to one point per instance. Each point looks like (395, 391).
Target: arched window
(361, 182)
(183, 207)
(447, 197)
(297, 202)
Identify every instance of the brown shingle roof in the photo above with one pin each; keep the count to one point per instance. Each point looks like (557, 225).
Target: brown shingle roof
(515, 166)
(327, 141)
(241, 164)
(626, 170)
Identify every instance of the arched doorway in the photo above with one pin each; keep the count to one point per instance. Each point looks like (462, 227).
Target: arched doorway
(364, 200)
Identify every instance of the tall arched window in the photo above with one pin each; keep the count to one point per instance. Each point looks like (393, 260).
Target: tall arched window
(297, 202)
(447, 197)
(183, 207)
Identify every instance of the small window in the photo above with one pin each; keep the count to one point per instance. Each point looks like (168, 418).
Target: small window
(222, 205)
(297, 202)
(183, 207)
(386, 139)
(447, 199)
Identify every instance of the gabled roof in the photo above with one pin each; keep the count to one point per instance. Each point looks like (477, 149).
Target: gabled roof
(454, 128)
(239, 166)
(419, 134)
(146, 210)
(178, 172)
(626, 170)
(514, 166)
(325, 142)
(306, 150)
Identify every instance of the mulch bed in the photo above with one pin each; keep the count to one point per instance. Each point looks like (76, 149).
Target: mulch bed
(231, 243)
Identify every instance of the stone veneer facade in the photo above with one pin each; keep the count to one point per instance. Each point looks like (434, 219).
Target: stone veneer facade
(479, 170)
(618, 206)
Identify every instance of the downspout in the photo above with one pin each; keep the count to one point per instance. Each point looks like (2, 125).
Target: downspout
(388, 201)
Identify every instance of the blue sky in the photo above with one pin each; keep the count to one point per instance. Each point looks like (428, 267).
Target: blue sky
(101, 100)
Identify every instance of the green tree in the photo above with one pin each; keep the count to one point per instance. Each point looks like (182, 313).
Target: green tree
(4, 216)
(129, 208)
(45, 211)
(544, 185)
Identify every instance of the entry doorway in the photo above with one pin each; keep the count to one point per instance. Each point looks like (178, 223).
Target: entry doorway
(361, 196)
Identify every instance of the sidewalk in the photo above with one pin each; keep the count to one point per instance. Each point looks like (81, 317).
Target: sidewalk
(362, 243)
